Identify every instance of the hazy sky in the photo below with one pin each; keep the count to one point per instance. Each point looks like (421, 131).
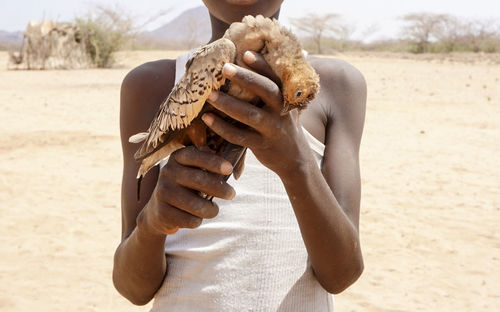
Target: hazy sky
(14, 15)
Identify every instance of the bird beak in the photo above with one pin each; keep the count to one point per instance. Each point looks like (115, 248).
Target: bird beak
(286, 109)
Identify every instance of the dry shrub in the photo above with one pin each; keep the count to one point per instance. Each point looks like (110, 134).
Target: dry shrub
(443, 33)
(105, 31)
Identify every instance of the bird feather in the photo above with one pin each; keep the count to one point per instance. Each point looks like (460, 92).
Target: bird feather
(280, 48)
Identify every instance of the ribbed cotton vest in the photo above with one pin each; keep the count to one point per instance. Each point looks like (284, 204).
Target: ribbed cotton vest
(250, 257)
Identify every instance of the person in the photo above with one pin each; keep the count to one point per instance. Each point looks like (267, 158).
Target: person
(281, 238)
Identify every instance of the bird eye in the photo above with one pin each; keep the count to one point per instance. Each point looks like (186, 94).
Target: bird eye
(310, 96)
(299, 93)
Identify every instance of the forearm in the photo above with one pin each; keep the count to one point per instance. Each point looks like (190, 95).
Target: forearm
(332, 241)
(140, 265)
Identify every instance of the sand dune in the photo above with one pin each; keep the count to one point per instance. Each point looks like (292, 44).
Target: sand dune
(430, 169)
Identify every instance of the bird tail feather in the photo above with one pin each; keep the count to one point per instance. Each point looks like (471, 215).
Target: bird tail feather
(139, 137)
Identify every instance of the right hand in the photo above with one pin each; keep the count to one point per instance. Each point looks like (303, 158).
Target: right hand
(176, 201)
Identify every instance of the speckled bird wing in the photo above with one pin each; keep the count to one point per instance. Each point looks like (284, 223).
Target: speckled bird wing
(185, 101)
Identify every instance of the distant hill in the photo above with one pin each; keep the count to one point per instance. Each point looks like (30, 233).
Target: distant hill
(188, 30)
(10, 40)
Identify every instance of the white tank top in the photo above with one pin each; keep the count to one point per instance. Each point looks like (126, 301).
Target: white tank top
(251, 257)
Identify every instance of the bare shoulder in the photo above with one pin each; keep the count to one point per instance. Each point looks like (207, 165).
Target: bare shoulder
(150, 72)
(337, 70)
(339, 108)
(343, 91)
(148, 80)
(339, 78)
(142, 91)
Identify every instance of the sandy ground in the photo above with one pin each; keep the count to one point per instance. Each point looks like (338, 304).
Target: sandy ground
(431, 186)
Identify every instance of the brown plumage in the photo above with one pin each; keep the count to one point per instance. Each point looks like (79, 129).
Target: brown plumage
(178, 123)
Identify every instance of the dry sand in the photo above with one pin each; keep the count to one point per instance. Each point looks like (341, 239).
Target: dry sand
(431, 186)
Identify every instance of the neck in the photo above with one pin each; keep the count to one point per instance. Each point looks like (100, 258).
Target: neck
(219, 27)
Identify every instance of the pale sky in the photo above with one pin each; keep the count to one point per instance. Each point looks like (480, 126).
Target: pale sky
(362, 14)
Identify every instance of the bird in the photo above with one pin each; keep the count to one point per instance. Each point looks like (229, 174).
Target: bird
(178, 121)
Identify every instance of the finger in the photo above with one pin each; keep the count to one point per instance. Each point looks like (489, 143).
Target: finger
(186, 200)
(170, 216)
(205, 182)
(242, 111)
(257, 63)
(192, 157)
(238, 136)
(257, 84)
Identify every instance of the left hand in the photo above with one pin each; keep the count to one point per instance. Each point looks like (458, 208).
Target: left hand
(277, 141)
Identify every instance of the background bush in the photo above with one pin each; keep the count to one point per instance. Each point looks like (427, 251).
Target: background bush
(105, 31)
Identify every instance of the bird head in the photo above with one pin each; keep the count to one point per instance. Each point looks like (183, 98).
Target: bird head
(300, 88)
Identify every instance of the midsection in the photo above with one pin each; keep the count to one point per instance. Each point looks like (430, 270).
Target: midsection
(253, 250)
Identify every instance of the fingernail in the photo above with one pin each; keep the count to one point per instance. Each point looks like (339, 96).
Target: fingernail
(208, 119)
(229, 70)
(226, 168)
(249, 57)
(213, 96)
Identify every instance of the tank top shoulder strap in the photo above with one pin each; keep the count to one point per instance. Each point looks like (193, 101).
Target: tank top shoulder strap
(180, 64)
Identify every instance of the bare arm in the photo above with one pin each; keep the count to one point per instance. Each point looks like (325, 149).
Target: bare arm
(327, 207)
(138, 249)
(326, 203)
(167, 201)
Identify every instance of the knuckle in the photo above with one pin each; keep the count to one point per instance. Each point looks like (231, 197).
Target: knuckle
(162, 190)
(155, 213)
(162, 214)
(240, 138)
(180, 155)
(254, 116)
(171, 166)
(194, 222)
(161, 184)
(275, 127)
(168, 175)
(197, 178)
(274, 89)
(190, 151)
(167, 216)
(265, 145)
(177, 153)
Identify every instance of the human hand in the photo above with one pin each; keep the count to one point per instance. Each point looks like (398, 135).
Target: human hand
(175, 202)
(276, 140)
